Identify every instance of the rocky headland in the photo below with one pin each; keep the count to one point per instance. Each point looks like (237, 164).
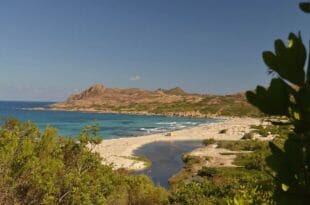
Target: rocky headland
(168, 102)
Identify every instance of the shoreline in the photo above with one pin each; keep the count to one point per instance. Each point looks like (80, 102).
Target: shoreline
(91, 110)
(120, 152)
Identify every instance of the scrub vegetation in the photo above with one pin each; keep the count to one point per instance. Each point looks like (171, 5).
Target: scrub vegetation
(43, 168)
(251, 182)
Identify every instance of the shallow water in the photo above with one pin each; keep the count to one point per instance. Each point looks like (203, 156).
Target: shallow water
(111, 125)
(166, 158)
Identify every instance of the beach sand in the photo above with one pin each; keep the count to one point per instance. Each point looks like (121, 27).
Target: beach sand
(120, 152)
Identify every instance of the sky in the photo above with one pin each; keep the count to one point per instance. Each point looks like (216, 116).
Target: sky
(52, 48)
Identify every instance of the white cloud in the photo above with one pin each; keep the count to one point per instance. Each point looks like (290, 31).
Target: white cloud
(135, 78)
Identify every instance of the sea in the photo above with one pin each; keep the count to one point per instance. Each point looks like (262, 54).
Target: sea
(111, 125)
(165, 156)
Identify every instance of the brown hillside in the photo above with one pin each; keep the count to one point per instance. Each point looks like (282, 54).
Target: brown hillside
(172, 102)
(103, 96)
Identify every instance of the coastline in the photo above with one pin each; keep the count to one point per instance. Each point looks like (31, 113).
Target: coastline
(120, 152)
(141, 113)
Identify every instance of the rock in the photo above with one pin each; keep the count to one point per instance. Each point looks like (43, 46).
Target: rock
(99, 95)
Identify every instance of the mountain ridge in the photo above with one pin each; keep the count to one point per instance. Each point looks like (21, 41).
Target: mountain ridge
(170, 102)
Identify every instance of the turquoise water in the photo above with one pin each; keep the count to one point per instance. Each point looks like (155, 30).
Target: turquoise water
(111, 125)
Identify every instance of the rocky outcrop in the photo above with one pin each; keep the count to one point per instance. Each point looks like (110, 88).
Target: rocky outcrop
(92, 92)
(173, 91)
(168, 102)
(99, 96)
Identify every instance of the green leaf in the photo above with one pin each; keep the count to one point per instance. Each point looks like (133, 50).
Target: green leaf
(296, 115)
(272, 101)
(284, 187)
(289, 61)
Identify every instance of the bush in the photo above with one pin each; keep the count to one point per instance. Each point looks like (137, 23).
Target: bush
(207, 172)
(249, 195)
(189, 159)
(255, 161)
(43, 168)
(246, 145)
(142, 192)
(195, 193)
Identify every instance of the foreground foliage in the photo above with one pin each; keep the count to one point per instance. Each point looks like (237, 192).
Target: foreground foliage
(42, 168)
(249, 183)
(289, 95)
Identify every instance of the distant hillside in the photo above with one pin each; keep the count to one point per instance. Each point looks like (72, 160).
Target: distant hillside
(173, 91)
(98, 95)
(172, 102)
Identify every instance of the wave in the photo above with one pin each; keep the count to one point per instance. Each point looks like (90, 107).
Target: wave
(176, 123)
(168, 127)
(166, 123)
(190, 123)
(155, 130)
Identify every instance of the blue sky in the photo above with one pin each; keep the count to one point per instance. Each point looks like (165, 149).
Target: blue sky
(51, 48)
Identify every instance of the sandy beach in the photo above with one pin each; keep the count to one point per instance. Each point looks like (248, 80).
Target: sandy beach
(120, 152)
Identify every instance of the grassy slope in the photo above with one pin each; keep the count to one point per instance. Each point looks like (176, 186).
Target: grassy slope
(209, 106)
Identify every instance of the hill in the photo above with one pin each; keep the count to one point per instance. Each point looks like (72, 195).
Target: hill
(173, 91)
(171, 102)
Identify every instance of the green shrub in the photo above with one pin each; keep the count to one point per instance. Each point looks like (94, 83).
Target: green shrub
(43, 168)
(207, 172)
(254, 160)
(251, 196)
(142, 192)
(199, 193)
(189, 159)
(245, 145)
